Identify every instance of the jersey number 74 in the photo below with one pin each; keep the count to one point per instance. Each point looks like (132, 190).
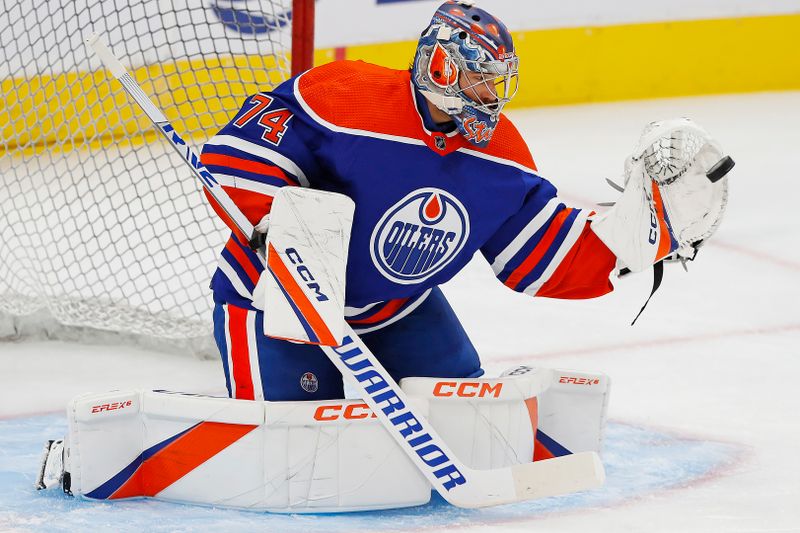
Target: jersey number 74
(274, 121)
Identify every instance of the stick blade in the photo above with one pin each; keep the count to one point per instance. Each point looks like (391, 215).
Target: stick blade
(557, 476)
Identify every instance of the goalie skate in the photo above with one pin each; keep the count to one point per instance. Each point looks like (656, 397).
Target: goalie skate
(51, 472)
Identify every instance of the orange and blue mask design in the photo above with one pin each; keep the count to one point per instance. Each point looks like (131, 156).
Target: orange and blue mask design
(462, 38)
(475, 126)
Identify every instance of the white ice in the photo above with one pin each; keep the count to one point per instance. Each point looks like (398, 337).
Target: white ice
(713, 358)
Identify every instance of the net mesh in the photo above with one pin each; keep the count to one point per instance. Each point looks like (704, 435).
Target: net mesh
(101, 224)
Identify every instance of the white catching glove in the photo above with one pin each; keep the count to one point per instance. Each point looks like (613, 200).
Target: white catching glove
(675, 194)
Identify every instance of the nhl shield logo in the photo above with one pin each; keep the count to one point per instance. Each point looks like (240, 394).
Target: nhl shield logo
(419, 235)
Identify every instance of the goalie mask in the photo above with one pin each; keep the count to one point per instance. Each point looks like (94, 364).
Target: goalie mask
(466, 66)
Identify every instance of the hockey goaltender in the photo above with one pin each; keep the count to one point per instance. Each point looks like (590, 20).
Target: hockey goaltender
(387, 183)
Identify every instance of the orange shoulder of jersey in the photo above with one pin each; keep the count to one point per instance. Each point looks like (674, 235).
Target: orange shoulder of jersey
(360, 96)
(507, 144)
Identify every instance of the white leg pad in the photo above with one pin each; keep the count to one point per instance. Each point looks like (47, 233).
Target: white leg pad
(527, 414)
(572, 414)
(296, 457)
(328, 456)
(487, 422)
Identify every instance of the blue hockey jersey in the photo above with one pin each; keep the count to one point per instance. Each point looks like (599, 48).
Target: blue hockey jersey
(426, 200)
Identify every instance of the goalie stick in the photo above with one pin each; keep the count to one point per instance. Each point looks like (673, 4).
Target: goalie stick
(458, 484)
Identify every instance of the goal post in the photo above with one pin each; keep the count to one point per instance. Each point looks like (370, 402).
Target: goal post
(302, 35)
(102, 228)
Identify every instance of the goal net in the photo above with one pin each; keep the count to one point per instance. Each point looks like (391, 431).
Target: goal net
(101, 225)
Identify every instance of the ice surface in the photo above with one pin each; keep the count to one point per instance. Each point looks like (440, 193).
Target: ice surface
(705, 426)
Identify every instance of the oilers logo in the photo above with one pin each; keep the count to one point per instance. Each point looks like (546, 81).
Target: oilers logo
(309, 382)
(419, 235)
